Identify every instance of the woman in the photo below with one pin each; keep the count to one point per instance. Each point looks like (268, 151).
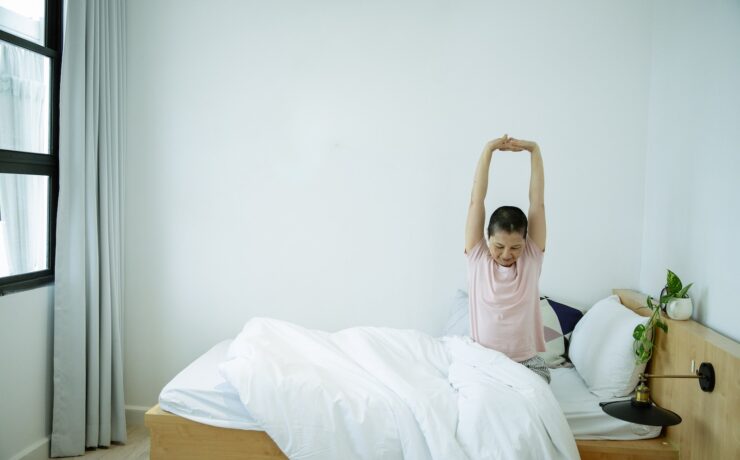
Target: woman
(504, 268)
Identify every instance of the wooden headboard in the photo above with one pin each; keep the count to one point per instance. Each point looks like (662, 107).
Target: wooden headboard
(711, 421)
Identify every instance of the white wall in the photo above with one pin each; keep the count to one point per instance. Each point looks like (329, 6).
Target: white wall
(313, 161)
(25, 370)
(693, 159)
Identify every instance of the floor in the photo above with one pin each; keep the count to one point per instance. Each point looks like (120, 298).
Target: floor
(136, 448)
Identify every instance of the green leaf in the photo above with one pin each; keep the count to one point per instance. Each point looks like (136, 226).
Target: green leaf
(682, 293)
(673, 284)
(662, 325)
(665, 299)
(638, 332)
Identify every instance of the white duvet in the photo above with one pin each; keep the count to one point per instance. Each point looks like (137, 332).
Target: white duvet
(380, 393)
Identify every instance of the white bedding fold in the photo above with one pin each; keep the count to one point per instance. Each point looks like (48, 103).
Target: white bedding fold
(388, 393)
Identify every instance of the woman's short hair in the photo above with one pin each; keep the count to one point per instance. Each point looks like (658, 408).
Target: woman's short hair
(508, 219)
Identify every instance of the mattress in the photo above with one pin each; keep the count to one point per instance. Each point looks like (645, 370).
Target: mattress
(199, 393)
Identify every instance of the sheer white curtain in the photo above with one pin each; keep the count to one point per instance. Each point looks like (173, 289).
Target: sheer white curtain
(24, 126)
(88, 295)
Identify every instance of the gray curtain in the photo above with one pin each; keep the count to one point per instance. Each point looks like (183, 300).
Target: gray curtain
(88, 296)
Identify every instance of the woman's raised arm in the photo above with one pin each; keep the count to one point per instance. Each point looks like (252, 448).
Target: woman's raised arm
(537, 222)
(476, 210)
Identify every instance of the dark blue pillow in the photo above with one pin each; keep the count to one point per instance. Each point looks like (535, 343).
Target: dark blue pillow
(567, 316)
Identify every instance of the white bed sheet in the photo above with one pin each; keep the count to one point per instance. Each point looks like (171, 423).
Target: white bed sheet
(201, 394)
(586, 418)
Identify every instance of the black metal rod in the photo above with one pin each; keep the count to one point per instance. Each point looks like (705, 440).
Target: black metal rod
(651, 376)
(17, 156)
(54, 40)
(13, 162)
(27, 44)
(31, 170)
(26, 281)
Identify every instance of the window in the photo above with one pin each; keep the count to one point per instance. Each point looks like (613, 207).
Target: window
(30, 67)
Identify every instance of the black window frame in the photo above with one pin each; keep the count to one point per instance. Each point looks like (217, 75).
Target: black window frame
(19, 162)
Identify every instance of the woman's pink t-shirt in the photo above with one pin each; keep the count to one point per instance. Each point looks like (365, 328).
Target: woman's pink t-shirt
(504, 301)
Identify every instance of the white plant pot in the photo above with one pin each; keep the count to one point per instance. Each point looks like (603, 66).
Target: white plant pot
(680, 309)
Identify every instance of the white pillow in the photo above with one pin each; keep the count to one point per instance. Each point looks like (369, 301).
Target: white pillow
(458, 323)
(601, 348)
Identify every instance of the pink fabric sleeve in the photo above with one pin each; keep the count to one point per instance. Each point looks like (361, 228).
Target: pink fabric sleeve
(479, 250)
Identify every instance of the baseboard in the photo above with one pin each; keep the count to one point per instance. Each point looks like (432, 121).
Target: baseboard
(40, 449)
(36, 451)
(135, 415)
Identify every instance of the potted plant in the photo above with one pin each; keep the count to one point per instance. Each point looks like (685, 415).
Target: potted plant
(674, 299)
(644, 334)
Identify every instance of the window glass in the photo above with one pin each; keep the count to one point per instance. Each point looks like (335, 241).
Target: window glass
(24, 100)
(23, 223)
(29, 75)
(24, 18)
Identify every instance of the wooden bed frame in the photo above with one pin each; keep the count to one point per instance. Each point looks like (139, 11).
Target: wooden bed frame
(709, 428)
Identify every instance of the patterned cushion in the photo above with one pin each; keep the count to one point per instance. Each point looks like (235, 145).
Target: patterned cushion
(558, 321)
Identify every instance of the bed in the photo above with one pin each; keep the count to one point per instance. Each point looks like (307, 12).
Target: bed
(201, 416)
(200, 394)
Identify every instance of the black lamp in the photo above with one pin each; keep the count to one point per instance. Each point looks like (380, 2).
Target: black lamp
(640, 409)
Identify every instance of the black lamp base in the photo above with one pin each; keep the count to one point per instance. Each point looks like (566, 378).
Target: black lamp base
(706, 376)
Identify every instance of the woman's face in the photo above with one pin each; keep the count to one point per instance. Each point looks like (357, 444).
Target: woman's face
(506, 247)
